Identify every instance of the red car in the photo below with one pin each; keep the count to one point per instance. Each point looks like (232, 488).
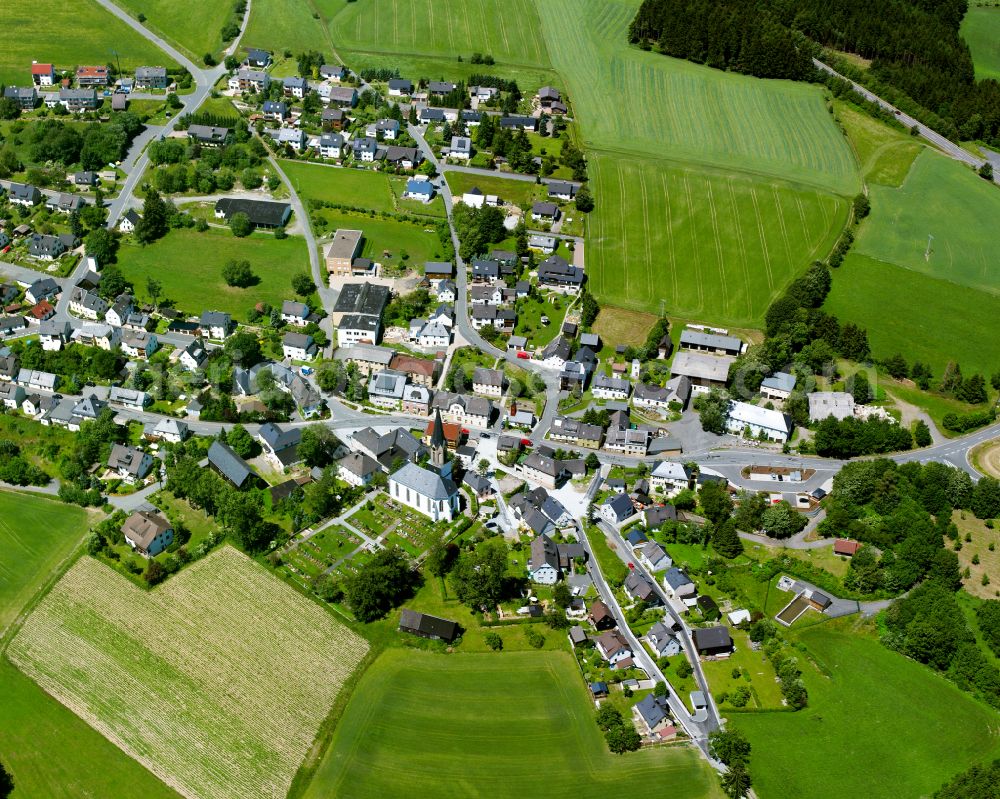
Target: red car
(525, 442)
(524, 356)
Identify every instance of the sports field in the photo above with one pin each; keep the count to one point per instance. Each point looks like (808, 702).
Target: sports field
(668, 108)
(192, 26)
(877, 725)
(36, 535)
(981, 29)
(496, 725)
(39, 30)
(508, 30)
(925, 318)
(189, 265)
(944, 199)
(216, 681)
(712, 245)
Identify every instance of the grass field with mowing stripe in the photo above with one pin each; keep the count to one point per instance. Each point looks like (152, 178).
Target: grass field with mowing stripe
(852, 740)
(189, 265)
(665, 107)
(497, 725)
(981, 29)
(279, 25)
(943, 198)
(216, 681)
(508, 30)
(884, 153)
(925, 318)
(713, 246)
(36, 535)
(67, 35)
(53, 754)
(192, 26)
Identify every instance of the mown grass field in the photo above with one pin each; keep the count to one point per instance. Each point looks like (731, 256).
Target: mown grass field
(519, 724)
(189, 265)
(664, 107)
(217, 681)
(36, 535)
(711, 245)
(509, 30)
(981, 29)
(279, 25)
(519, 192)
(361, 188)
(942, 198)
(67, 35)
(925, 318)
(192, 26)
(53, 754)
(853, 739)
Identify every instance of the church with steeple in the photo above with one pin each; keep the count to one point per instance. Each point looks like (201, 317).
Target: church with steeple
(430, 489)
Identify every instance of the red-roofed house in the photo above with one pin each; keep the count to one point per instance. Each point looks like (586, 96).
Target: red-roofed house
(43, 74)
(452, 433)
(43, 311)
(91, 76)
(843, 546)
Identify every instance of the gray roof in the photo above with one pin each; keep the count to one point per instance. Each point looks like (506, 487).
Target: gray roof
(696, 338)
(365, 352)
(215, 319)
(489, 377)
(362, 298)
(425, 482)
(675, 578)
(293, 308)
(298, 340)
(231, 465)
(653, 710)
(278, 439)
(620, 505)
(358, 463)
(779, 381)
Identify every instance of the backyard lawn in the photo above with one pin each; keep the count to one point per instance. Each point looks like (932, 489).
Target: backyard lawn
(189, 265)
(388, 241)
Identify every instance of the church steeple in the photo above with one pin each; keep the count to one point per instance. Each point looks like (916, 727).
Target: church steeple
(439, 447)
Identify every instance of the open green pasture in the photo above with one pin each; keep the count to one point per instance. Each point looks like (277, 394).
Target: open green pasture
(36, 535)
(711, 245)
(293, 25)
(631, 101)
(189, 265)
(884, 153)
(946, 200)
(193, 26)
(926, 318)
(53, 754)
(878, 725)
(518, 192)
(67, 35)
(981, 29)
(509, 30)
(433, 725)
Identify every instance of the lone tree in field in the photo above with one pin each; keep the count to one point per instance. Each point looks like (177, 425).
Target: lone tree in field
(6, 783)
(726, 540)
(239, 223)
(302, 284)
(153, 224)
(238, 274)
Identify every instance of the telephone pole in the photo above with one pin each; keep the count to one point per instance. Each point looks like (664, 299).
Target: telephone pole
(927, 252)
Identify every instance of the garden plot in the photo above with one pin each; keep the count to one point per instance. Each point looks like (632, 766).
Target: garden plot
(216, 681)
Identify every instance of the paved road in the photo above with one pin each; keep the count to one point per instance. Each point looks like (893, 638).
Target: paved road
(945, 145)
(700, 730)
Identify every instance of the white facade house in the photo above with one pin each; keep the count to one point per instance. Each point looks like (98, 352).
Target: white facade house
(752, 420)
(612, 388)
(298, 347)
(778, 386)
(670, 477)
(426, 491)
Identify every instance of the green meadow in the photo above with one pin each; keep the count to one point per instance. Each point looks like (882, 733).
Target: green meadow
(386, 240)
(509, 30)
(189, 265)
(36, 535)
(67, 35)
(279, 25)
(852, 740)
(500, 725)
(192, 26)
(638, 103)
(943, 199)
(981, 30)
(710, 245)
